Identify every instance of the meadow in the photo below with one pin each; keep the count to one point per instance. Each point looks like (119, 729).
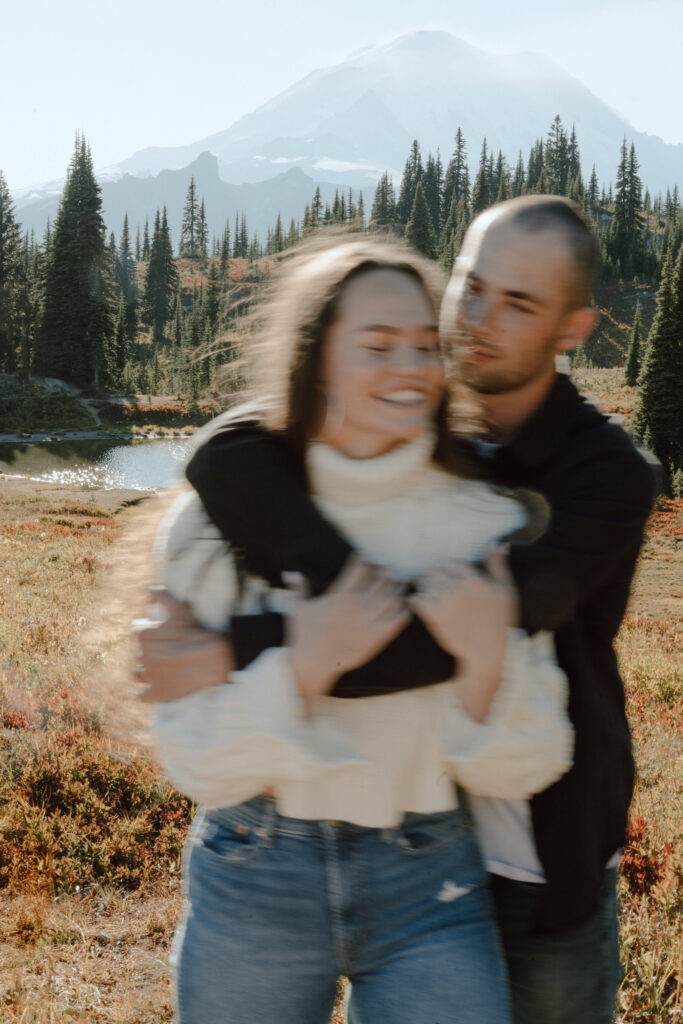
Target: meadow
(91, 834)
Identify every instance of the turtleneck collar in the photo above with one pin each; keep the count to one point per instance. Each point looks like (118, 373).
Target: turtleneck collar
(336, 477)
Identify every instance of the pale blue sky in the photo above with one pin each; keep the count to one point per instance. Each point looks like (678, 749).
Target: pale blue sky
(145, 72)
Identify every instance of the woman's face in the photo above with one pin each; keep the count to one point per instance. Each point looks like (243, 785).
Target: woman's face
(382, 371)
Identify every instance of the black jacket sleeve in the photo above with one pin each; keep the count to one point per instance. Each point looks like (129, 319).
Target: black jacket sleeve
(600, 499)
(256, 496)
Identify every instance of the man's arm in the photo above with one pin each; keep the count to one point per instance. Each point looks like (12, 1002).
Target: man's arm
(256, 496)
(598, 513)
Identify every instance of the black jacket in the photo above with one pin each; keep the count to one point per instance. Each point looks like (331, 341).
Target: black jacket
(574, 581)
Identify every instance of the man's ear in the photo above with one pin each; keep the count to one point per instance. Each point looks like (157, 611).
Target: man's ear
(577, 328)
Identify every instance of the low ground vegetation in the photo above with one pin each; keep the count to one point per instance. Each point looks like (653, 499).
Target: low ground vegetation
(91, 834)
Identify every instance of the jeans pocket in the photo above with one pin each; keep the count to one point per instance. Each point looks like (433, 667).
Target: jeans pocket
(422, 834)
(227, 839)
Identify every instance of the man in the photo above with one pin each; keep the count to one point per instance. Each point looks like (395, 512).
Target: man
(519, 297)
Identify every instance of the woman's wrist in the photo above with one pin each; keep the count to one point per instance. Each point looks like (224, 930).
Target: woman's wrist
(312, 680)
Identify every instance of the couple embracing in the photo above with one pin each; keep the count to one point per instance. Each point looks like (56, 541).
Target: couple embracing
(404, 720)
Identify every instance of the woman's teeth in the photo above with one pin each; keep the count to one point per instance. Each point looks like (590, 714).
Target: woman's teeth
(405, 397)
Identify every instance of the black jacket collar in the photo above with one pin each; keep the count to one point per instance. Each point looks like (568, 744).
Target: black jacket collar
(563, 412)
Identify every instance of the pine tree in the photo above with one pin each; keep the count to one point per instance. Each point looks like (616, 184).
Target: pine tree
(162, 278)
(412, 175)
(457, 178)
(383, 213)
(75, 325)
(432, 184)
(126, 276)
(419, 230)
(593, 193)
(202, 234)
(145, 241)
(317, 207)
(188, 248)
(119, 349)
(557, 159)
(225, 248)
(361, 213)
(632, 368)
(481, 196)
(13, 283)
(519, 178)
(657, 419)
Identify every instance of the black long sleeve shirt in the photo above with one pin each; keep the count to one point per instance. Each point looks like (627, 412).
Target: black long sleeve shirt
(574, 580)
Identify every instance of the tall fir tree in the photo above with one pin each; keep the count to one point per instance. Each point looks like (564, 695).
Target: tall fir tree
(127, 282)
(13, 283)
(432, 184)
(419, 230)
(412, 175)
(633, 358)
(202, 234)
(457, 178)
(657, 419)
(162, 278)
(383, 213)
(481, 192)
(76, 322)
(187, 249)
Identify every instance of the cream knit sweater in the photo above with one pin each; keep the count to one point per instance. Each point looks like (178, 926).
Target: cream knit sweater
(370, 760)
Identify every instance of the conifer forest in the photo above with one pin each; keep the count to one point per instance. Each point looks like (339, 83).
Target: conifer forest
(141, 313)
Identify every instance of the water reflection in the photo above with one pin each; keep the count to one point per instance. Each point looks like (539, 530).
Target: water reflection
(140, 465)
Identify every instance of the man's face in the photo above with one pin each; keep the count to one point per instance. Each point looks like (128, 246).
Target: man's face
(512, 306)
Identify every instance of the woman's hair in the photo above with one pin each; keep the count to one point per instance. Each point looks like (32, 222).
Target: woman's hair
(301, 302)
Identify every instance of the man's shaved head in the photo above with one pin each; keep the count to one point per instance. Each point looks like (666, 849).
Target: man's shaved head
(560, 216)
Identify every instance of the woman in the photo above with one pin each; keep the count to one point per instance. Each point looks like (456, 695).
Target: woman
(321, 810)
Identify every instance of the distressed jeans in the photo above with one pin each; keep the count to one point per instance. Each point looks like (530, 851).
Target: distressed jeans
(279, 908)
(568, 977)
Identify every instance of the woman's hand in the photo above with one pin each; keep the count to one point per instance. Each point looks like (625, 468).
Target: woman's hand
(351, 622)
(469, 612)
(178, 657)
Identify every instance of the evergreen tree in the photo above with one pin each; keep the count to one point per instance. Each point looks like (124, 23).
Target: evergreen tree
(188, 248)
(361, 213)
(119, 349)
(75, 325)
(317, 207)
(457, 178)
(519, 178)
(632, 369)
(225, 248)
(202, 234)
(412, 175)
(145, 241)
(593, 193)
(419, 230)
(162, 278)
(432, 184)
(127, 283)
(13, 282)
(383, 213)
(574, 157)
(481, 195)
(657, 419)
(556, 159)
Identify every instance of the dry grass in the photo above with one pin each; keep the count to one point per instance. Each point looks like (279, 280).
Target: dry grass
(608, 389)
(90, 839)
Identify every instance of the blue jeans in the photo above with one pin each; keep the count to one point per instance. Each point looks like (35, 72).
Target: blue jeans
(569, 976)
(280, 907)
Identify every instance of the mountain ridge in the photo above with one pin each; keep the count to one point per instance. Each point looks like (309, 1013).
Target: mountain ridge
(344, 125)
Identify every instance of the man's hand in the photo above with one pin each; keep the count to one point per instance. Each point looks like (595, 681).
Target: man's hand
(354, 619)
(468, 612)
(178, 657)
